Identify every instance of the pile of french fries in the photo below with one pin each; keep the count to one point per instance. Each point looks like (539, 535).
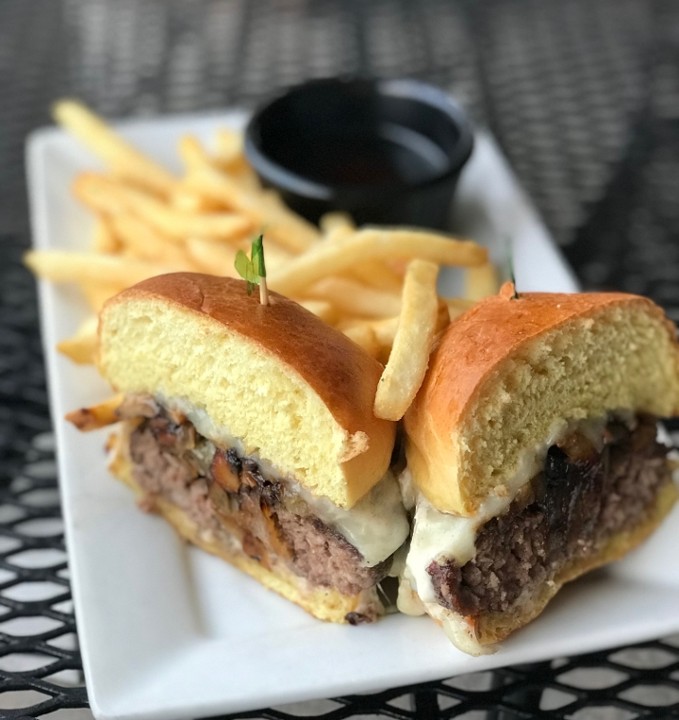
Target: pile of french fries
(376, 285)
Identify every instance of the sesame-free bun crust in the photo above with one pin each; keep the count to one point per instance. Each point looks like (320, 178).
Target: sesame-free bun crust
(293, 390)
(511, 372)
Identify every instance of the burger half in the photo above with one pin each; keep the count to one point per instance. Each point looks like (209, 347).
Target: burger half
(249, 427)
(533, 454)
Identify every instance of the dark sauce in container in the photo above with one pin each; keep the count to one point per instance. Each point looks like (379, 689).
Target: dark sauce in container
(393, 156)
(385, 151)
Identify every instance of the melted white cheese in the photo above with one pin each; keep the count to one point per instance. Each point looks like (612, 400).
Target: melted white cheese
(439, 536)
(376, 526)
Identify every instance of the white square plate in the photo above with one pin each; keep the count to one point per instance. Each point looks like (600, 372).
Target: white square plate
(167, 631)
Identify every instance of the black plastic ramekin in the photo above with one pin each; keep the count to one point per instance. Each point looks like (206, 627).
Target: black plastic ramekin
(385, 151)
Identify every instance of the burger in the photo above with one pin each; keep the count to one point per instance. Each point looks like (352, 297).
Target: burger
(533, 454)
(250, 429)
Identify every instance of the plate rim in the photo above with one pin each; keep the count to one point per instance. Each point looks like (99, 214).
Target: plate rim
(37, 150)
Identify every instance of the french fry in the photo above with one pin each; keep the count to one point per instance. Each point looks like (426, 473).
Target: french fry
(378, 275)
(456, 306)
(335, 224)
(481, 282)
(212, 257)
(409, 357)
(188, 201)
(364, 336)
(97, 416)
(192, 153)
(123, 158)
(354, 298)
(81, 347)
(372, 244)
(109, 196)
(104, 239)
(100, 193)
(84, 267)
(143, 242)
(229, 151)
(276, 256)
(324, 310)
(265, 210)
(338, 226)
(228, 157)
(385, 331)
(377, 335)
(97, 293)
(442, 317)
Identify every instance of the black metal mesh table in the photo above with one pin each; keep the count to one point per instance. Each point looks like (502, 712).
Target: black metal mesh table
(583, 96)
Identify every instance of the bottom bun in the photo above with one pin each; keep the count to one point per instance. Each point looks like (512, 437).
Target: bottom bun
(323, 603)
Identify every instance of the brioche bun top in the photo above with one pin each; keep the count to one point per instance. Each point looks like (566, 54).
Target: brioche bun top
(512, 372)
(293, 390)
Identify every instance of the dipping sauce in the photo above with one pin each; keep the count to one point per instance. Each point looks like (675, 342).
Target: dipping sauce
(387, 152)
(394, 155)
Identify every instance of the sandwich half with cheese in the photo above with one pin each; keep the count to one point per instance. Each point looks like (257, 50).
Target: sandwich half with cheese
(249, 427)
(533, 455)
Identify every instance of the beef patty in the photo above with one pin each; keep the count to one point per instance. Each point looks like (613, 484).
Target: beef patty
(232, 496)
(582, 498)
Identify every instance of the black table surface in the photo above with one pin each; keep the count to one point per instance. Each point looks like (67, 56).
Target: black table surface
(583, 97)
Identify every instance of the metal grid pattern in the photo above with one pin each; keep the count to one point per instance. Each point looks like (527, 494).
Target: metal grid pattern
(583, 96)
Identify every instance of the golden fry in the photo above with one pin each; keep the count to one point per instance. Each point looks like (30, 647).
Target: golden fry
(229, 155)
(442, 316)
(322, 309)
(229, 150)
(188, 201)
(276, 256)
(413, 341)
(377, 274)
(354, 298)
(456, 306)
(378, 335)
(97, 416)
(100, 193)
(338, 226)
(334, 224)
(211, 257)
(109, 196)
(143, 242)
(122, 157)
(364, 336)
(192, 153)
(84, 267)
(97, 293)
(370, 244)
(265, 210)
(82, 347)
(104, 239)
(481, 282)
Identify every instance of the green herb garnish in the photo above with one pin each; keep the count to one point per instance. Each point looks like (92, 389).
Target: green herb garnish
(253, 270)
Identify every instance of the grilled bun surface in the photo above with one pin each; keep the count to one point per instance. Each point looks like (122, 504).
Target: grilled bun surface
(289, 387)
(510, 373)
